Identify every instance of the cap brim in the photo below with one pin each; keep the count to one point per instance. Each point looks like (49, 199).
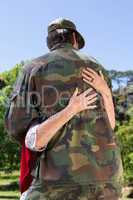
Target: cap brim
(81, 41)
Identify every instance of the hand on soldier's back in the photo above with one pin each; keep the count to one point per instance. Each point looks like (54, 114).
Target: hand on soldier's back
(83, 101)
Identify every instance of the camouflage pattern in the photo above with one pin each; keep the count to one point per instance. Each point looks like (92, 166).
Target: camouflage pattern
(84, 153)
(43, 191)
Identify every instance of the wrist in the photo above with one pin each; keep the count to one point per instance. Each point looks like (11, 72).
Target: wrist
(70, 109)
(106, 93)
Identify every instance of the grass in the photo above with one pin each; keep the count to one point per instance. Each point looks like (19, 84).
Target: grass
(5, 195)
(7, 183)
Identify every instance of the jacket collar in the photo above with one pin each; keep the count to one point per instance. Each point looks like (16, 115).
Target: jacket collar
(62, 45)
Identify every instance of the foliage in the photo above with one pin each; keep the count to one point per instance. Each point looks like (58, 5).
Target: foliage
(125, 133)
(120, 74)
(9, 186)
(9, 156)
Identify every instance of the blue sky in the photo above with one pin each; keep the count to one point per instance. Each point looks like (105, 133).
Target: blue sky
(105, 24)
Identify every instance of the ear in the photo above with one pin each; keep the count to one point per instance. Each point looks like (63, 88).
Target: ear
(75, 43)
(74, 38)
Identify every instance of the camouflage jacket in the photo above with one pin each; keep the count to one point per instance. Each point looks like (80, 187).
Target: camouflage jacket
(85, 149)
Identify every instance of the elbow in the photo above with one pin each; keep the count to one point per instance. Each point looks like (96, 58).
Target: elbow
(113, 124)
(32, 141)
(40, 145)
(38, 142)
(113, 127)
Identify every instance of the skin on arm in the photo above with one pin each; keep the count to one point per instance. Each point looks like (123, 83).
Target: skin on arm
(100, 85)
(47, 129)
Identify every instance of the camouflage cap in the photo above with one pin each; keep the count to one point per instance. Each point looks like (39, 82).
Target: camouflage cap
(61, 23)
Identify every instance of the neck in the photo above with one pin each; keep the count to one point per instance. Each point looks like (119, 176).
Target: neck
(62, 45)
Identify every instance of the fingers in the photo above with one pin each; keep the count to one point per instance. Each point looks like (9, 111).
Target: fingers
(86, 92)
(101, 74)
(75, 92)
(88, 73)
(91, 107)
(91, 71)
(89, 82)
(92, 101)
(87, 77)
(91, 96)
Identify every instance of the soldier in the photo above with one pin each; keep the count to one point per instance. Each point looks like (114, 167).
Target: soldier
(62, 107)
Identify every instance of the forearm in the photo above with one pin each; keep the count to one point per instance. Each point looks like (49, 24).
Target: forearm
(49, 128)
(109, 107)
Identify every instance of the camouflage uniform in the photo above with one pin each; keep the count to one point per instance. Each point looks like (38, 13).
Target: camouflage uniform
(82, 161)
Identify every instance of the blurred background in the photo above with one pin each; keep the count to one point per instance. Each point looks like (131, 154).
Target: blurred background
(108, 32)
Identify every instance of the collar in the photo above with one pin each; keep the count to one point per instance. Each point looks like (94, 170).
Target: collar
(62, 45)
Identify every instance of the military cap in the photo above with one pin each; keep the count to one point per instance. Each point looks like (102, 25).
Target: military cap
(61, 23)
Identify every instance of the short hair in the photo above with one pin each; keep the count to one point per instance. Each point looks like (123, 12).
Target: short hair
(59, 36)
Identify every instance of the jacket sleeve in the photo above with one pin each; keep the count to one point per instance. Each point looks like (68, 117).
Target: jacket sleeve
(22, 112)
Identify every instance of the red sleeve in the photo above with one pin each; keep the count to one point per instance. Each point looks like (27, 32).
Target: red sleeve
(28, 160)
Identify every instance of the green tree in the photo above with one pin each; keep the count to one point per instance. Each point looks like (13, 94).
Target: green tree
(9, 156)
(125, 133)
